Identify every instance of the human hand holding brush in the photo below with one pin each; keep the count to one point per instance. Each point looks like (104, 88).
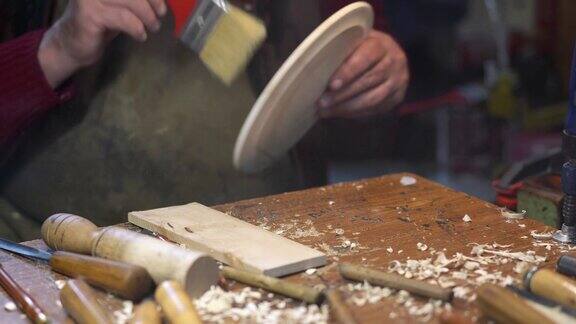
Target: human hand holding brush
(79, 37)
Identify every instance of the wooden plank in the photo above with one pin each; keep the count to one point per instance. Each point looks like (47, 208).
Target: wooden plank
(229, 239)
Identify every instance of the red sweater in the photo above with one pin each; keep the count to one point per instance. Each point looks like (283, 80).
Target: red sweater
(25, 93)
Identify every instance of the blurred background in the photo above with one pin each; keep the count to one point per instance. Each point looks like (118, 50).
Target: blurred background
(150, 127)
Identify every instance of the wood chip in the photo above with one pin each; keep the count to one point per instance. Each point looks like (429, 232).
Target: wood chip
(10, 307)
(466, 218)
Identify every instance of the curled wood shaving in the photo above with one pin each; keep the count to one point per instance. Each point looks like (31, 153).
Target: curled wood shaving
(541, 236)
(512, 215)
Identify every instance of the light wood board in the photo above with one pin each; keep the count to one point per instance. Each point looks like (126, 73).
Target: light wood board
(286, 109)
(229, 240)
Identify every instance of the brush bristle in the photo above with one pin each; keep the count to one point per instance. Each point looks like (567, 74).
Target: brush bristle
(232, 43)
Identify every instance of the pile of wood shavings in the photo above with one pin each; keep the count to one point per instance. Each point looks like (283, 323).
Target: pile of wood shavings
(292, 230)
(364, 293)
(249, 305)
(462, 272)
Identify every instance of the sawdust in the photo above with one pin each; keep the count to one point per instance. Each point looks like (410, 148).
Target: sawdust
(251, 306)
(295, 229)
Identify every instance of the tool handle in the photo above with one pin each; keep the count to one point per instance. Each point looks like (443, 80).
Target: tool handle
(338, 307)
(181, 10)
(79, 301)
(554, 286)
(26, 303)
(125, 280)
(358, 273)
(146, 313)
(504, 306)
(567, 265)
(69, 233)
(176, 304)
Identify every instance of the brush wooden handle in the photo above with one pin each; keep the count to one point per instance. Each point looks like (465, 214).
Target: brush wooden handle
(283, 287)
(24, 301)
(340, 311)
(358, 273)
(176, 304)
(125, 280)
(164, 261)
(146, 313)
(79, 301)
(181, 10)
(552, 285)
(504, 306)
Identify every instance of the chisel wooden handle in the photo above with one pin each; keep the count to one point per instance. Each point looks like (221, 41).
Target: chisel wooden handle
(196, 271)
(176, 304)
(358, 273)
(338, 307)
(123, 279)
(552, 285)
(504, 306)
(146, 313)
(24, 301)
(80, 303)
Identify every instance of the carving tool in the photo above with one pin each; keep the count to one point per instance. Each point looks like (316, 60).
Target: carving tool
(504, 306)
(176, 304)
(164, 261)
(358, 273)
(79, 301)
(223, 35)
(24, 301)
(146, 312)
(340, 311)
(566, 265)
(551, 285)
(125, 280)
(293, 290)
(545, 302)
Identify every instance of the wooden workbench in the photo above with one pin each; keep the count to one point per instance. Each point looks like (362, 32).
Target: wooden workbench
(376, 214)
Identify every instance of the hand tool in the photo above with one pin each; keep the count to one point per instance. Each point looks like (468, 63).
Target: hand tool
(339, 308)
(283, 287)
(568, 232)
(566, 265)
(358, 273)
(164, 261)
(223, 35)
(504, 306)
(123, 279)
(551, 285)
(545, 302)
(147, 312)
(24, 301)
(79, 301)
(176, 304)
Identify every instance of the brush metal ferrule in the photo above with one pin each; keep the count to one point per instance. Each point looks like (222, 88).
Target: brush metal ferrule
(202, 22)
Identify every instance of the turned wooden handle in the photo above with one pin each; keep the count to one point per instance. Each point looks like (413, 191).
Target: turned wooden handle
(358, 273)
(79, 301)
(146, 313)
(504, 306)
(123, 279)
(552, 285)
(176, 304)
(70, 233)
(338, 307)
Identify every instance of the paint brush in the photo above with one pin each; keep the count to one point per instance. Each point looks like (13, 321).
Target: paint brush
(224, 36)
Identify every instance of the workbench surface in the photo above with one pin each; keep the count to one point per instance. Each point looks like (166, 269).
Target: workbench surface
(370, 222)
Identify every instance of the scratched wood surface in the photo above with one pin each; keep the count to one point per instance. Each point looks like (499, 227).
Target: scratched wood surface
(374, 214)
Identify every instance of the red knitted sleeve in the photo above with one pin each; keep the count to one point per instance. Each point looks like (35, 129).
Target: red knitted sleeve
(25, 93)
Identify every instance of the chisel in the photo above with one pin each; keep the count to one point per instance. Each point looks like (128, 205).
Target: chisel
(125, 280)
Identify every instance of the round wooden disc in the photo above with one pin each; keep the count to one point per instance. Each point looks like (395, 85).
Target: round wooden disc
(286, 110)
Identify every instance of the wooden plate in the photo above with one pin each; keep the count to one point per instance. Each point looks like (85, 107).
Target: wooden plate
(286, 109)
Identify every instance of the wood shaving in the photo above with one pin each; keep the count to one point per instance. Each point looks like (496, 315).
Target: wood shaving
(339, 231)
(249, 306)
(311, 271)
(60, 284)
(123, 315)
(467, 218)
(512, 215)
(421, 246)
(330, 203)
(390, 249)
(407, 181)
(10, 307)
(541, 236)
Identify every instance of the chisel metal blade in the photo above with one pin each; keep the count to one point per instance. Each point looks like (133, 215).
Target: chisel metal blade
(24, 250)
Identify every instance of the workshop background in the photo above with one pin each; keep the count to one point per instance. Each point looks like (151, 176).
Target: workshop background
(151, 127)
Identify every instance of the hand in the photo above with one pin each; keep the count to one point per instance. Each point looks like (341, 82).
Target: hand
(372, 80)
(79, 37)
